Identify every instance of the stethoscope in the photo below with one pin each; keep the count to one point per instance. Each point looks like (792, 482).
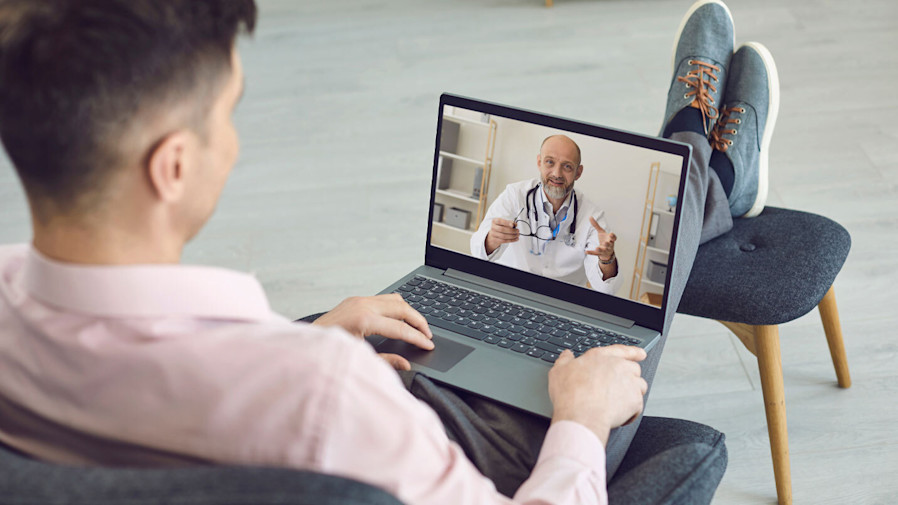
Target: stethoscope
(568, 241)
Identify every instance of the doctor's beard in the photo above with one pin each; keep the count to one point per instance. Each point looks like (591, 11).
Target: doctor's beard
(555, 192)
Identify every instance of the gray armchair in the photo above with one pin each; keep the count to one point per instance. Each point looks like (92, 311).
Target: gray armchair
(671, 461)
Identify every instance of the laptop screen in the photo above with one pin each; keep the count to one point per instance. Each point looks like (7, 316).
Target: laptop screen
(565, 201)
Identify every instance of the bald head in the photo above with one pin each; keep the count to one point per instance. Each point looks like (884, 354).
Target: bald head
(559, 166)
(562, 144)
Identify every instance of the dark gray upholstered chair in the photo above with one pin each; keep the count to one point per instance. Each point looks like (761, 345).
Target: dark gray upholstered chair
(671, 461)
(766, 271)
(24, 481)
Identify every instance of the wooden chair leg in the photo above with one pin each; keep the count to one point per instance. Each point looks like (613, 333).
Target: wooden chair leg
(767, 349)
(548, 3)
(745, 332)
(829, 314)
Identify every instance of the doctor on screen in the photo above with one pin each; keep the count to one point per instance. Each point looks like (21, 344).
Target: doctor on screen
(547, 228)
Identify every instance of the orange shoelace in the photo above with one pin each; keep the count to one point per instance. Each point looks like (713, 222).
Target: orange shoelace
(696, 79)
(720, 129)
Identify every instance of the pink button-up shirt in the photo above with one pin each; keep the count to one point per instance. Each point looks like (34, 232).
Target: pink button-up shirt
(174, 365)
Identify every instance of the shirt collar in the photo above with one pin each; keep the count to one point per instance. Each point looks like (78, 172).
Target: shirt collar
(145, 290)
(547, 205)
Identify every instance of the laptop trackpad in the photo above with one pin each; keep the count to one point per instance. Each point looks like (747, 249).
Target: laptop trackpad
(445, 355)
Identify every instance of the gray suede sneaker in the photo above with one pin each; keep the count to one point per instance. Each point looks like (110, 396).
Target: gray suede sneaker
(702, 52)
(745, 126)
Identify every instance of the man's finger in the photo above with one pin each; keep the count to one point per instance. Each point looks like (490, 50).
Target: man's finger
(629, 352)
(565, 356)
(505, 235)
(595, 225)
(508, 228)
(395, 329)
(597, 252)
(503, 240)
(396, 361)
(503, 222)
(397, 308)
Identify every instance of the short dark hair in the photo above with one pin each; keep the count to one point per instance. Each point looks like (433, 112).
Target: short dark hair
(76, 74)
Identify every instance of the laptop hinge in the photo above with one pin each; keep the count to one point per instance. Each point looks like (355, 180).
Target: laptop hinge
(541, 299)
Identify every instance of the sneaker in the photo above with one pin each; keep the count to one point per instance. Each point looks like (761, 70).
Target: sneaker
(745, 126)
(702, 52)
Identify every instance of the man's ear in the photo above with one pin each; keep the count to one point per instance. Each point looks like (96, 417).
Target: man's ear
(539, 160)
(579, 172)
(166, 166)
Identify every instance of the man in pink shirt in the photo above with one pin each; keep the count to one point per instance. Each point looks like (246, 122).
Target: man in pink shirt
(118, 122)
(117, 117)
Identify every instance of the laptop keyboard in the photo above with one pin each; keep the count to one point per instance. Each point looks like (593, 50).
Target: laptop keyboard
(504, 324)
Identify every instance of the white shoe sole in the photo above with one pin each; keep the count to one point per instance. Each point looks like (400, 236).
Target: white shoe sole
(695, 7)
(773, 89)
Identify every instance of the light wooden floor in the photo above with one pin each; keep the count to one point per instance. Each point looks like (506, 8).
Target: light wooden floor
(330, 196)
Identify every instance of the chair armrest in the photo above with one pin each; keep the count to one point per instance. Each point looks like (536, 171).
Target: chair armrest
(26, 481)
(670, 461)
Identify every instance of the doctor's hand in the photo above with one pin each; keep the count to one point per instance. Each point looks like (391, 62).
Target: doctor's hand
(605, 250)
(502, 231)
(387, 315)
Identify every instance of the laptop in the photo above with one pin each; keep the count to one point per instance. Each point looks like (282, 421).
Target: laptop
(499, 321)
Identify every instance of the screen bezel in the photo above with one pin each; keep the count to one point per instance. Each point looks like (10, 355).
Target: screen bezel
(642, 314)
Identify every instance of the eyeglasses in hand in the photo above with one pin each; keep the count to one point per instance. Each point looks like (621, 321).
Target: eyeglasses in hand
(542, 232)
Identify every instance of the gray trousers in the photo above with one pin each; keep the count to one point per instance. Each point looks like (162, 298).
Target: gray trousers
(504, 442)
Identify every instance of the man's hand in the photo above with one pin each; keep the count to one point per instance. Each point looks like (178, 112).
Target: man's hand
(502, 231)
(387, 315)
(605, 250)
(602, 389)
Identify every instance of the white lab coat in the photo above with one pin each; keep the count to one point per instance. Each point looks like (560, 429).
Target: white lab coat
(559, 261)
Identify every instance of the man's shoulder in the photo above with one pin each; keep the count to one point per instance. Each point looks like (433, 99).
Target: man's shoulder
(10, 251)
(513, 195)
(12, 257)
(518, 190)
